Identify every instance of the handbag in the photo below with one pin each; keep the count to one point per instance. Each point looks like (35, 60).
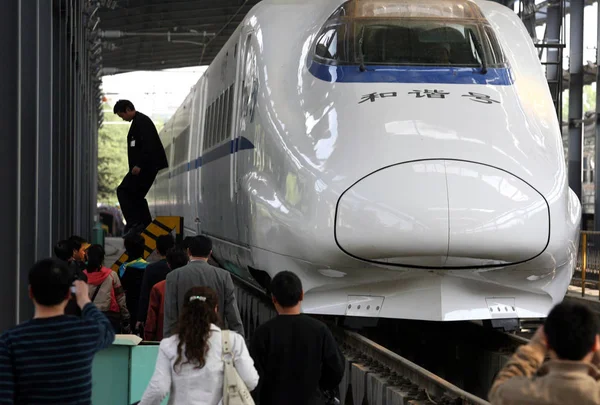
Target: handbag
(235, 391)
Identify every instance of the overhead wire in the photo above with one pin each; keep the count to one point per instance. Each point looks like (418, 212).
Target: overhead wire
(221, 30)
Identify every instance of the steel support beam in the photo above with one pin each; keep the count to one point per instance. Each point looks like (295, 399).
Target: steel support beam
(44, 129)
(57, 223)
(576, 97)
(9, 162)
(553, 36)
(29, 151)
(528, 17)
(597, 144)
(47, 156)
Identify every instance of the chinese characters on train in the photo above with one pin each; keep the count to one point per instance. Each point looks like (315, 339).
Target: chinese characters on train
(440, 94)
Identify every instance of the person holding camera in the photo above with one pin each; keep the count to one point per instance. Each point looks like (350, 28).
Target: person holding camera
(570, 338)
(106, 291)
(48, 359)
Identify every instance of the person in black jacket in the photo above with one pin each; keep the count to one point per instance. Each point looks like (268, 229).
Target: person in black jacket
(146, 157)
(154, 273)
(296, 356)
(73, 252)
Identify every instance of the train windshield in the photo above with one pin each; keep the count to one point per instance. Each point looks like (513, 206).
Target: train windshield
(403, 32)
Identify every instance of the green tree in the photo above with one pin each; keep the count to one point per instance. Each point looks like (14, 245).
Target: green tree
(112, 156)
(589, 100)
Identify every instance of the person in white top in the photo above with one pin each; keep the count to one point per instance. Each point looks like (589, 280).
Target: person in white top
(189, 366)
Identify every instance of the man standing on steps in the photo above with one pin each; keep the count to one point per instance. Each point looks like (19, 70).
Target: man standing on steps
(146, 157)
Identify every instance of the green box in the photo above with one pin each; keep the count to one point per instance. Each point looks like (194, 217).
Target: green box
(121, 373)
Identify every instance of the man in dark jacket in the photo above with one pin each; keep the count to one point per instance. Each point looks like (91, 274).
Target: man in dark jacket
(295, 355)
(154, 273)
(146, 157)
(73, 252)
(199, 273)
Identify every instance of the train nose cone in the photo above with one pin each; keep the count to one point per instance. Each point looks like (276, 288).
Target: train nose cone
(441, 214)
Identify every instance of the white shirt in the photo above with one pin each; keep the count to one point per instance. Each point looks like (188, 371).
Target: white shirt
(190, 385)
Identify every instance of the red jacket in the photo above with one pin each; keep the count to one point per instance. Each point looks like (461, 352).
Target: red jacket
(153, 330)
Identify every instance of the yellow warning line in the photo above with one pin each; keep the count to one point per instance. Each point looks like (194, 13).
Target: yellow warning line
(160, 226)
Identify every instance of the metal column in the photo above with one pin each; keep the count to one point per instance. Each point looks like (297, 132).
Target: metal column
(44, 129)
(576, 96)
(9, 161)
(527, 10)
(29, 151)
(597, 143)
(553, 37)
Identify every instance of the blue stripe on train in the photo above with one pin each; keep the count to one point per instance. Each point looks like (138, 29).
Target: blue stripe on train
(219, 152)
(410, 74)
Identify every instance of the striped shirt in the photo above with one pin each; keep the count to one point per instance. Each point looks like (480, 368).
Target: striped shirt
(49, 360)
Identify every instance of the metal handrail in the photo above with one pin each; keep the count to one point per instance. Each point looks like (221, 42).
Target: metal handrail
(585, 252)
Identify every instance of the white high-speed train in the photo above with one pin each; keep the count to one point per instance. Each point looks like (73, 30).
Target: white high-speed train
(403, 157)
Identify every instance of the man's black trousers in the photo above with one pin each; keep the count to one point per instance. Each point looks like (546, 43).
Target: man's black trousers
(132, 196)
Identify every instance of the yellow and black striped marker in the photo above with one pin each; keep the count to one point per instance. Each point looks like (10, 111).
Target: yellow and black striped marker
(160, 226)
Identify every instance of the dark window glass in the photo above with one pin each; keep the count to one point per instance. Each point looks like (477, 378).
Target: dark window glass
(435, 33)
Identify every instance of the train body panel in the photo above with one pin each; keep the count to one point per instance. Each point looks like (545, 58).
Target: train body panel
(420, 192)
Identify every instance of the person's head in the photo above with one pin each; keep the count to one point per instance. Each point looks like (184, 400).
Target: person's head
(134, 246)
(200, 246)
(286, 292)
(95, 254)
(164, 243)
(186, 242)
(79, 246)
(176, 258)
(49, 283)
(198, 313)
(124, 109)
(63, 250)
(571, 331)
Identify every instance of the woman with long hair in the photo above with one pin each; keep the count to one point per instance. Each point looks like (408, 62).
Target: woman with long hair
(106, 291)
(189, 366)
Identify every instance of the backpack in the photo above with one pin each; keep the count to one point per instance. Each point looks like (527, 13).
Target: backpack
(235, 391)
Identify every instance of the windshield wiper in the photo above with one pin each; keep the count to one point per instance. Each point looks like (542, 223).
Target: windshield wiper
(361, 51)
(480, 52)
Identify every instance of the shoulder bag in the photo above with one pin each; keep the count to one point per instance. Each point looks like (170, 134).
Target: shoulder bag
(235, 391)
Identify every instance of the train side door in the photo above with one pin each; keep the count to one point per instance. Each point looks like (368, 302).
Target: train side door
(201, 98)
(191, 205)
(246, 93)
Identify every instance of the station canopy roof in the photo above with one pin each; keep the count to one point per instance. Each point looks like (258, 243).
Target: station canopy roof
(163, 34)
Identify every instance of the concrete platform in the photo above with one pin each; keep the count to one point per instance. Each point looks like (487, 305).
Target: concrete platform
(591, 298)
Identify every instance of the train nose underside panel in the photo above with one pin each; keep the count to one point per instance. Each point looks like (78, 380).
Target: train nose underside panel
(442, 214)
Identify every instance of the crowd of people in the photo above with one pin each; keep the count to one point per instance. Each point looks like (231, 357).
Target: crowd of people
(190, 307)
(183, 302)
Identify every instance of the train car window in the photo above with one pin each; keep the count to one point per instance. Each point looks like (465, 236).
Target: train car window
(221, 118)
(215, 124)
(226, 114)
(168, 153)
(209, 126)
(405, 33)
(493, 45)
(331, 43)
(211, 131)
(182, 146)
(230, 110)
(206, 128)
(215, 131)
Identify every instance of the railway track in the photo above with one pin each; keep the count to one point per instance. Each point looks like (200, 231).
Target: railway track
(376, 375)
